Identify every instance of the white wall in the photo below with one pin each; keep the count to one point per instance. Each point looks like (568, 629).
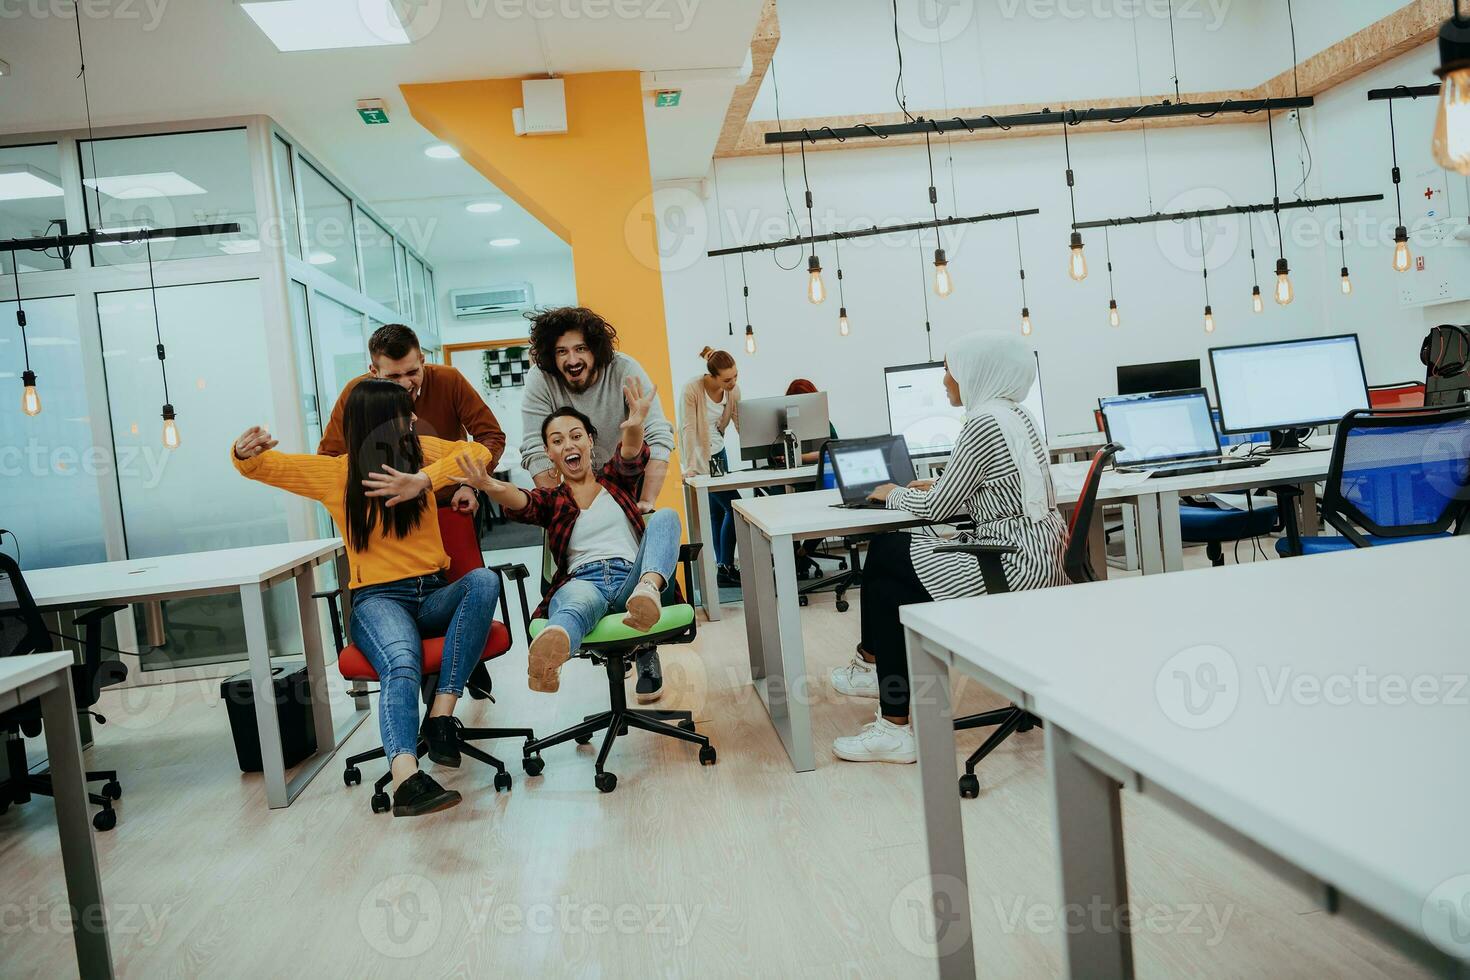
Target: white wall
(1157, 267)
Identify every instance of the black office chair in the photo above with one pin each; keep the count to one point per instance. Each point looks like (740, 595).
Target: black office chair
(23, 631)
(849, 572)
(610, 645)
(1396, 475)
(1076, 563)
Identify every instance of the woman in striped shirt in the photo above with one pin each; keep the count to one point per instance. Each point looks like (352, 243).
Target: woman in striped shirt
(999, 477)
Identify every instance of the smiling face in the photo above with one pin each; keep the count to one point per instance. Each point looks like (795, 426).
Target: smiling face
(569, 447)
(574, 360)
(407, 372)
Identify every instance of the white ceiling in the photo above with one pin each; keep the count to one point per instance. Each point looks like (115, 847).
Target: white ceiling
(206, 58)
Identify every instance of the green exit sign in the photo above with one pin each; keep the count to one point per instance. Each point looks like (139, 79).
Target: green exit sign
(373, 112)
(667, 99)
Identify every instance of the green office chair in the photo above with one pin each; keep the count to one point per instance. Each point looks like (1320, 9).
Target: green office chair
(610, 644)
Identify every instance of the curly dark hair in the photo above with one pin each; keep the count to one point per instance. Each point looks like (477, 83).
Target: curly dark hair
(547, 327)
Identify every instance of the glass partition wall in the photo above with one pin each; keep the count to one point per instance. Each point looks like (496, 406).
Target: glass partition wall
(264, 326)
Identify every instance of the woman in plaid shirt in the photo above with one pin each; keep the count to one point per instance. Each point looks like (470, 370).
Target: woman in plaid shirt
(609, 557)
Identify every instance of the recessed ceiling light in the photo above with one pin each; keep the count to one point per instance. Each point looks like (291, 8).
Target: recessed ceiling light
(441, 151)
(315, 25)
(129, 187)
(22, 182)
(483, 207)
(321, 258)
(504, 242)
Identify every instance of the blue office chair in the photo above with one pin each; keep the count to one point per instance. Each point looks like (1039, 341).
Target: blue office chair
(1214, 526)
(1396, 475)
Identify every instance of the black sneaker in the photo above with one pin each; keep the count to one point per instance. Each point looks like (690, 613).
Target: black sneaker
(650, 686)
(419, 794)
(442, 734)
(727, 576)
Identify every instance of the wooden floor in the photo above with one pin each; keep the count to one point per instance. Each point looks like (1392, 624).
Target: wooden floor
(742, 868)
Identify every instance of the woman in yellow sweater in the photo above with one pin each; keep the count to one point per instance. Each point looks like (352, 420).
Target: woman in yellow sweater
(380, 496)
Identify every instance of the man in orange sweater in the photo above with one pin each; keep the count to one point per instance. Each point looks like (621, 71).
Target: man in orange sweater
(446, 405)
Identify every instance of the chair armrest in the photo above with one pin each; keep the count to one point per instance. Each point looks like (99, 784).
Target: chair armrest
(91, 673)
(518, 574)
(335, 612)
(989, 555)
(688, 553)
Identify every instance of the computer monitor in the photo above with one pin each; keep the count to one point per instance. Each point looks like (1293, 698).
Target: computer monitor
(1136, 379)
(919, 410)
(763, 419)
(1160, 427)
(1288, 385)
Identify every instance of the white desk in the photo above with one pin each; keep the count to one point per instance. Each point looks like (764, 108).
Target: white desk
(765, 529)
(696, 505)
(47, 677)
(1351, 788)
(248, 571)
(1076, 443)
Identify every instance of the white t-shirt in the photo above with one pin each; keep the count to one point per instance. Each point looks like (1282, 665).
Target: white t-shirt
(602, 532)
(714, 410)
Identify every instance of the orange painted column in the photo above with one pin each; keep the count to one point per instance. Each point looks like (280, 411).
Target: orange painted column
(591, 186)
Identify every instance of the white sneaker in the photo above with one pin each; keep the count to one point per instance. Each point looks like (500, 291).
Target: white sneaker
(879, 741)
(858, 679)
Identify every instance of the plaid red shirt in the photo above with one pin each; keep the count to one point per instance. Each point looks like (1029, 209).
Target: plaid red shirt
(557, 511)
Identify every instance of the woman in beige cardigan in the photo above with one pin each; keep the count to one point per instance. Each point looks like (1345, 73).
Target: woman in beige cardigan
(707, 407)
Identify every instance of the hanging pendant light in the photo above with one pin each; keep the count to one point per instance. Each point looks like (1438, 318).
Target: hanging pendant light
(170, 425)
(1347, 282)
(1451, 142)
(1021, 268)
(1113, 319)
(745, 292)
(943, 281)
(816, 290)
(1284, 292)
(1205, 275)
(1258, 305)
(943, 284)
(843, 328)
(1077, 259)
(30, 399)
(1401, 255)
(724, 266)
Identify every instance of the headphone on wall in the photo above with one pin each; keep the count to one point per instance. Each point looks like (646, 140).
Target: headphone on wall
(1445, 352)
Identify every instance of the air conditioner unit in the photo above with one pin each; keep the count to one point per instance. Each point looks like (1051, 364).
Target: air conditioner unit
(510, 297)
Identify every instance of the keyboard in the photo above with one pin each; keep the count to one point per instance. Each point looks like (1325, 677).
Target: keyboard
(1210, 466)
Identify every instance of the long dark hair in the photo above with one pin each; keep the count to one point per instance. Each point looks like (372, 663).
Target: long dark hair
(377, 424)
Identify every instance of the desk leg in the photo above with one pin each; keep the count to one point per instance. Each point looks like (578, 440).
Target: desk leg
(1087, 815)
(1150, 544)
(784, 688)
(1097, 544)
(749, 596)
(1130, 537)
(267, 722)
(1171, 544)
(709, 585)
(932, 716)
(78, 853)
(1309, 524)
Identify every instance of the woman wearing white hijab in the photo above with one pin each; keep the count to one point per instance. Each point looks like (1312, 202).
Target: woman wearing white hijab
(999, 477)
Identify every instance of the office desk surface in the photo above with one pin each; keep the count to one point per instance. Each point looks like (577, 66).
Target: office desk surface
(741, 479)
(1335, 741)
(1289, 468)
(17, 672)
(139, 579)
(811, 515)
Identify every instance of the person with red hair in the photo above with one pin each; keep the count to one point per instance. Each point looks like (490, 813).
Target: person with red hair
(800, 386)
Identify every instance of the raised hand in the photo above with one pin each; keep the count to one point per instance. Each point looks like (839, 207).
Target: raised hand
(638, 404)
(397, 487)
(254, 441)
(474, 473)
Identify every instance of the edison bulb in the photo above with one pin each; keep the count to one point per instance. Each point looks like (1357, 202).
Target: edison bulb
(1025, 322)
(749, 340)
(170, 433)
(843, 329)
(816, 290)
(1401, 256)
(30, 399)
(1284, 291)
(1113, 312)
(1258, 305)
(1077, 263)
(1347, 282)
(1452, 128)
(1209, 320)
(943, 283)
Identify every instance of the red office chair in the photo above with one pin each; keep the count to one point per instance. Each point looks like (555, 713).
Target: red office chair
(1076, 563)
(462, 545)
(1404, 394)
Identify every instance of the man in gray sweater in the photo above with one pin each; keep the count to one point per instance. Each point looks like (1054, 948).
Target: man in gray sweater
(575, 362)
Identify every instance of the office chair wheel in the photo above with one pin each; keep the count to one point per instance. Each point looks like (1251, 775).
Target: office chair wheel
(605, 782)
(105, 819)
(502, 782)
(706, 755)
(533, 764)
(969, 786)
(622, 730)
(1025, 725)
(801, 600)
(687, 724)
(842, 564)
(381, 803)
(584, 740)
(112, 790)
(842, 605)
(351, 776)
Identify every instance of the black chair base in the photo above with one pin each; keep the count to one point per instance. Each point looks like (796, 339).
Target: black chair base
(381, 803)
(1006, 721)
(20, 790)
(618, 719)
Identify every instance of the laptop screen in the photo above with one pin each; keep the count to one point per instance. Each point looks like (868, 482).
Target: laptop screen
(862, 464)
(1161, 426)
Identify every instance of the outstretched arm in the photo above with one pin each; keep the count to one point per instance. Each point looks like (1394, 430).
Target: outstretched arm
(474, 472)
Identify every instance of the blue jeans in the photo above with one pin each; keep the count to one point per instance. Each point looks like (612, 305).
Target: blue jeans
(389, 622)
(722, 516)
(601, 587)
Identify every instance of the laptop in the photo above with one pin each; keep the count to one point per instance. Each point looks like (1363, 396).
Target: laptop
(1167, 433)
(860, 465)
